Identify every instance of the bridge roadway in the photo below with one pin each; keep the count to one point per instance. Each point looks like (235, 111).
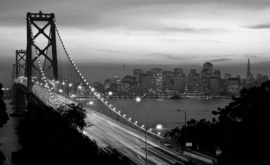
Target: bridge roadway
(108, 132)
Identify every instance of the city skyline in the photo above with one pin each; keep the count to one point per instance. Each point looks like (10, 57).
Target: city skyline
(120, 72)
(147, 32)
(106, 70)
(164, 83)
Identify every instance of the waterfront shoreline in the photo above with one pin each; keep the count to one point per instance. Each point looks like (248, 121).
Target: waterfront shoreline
(195, 98)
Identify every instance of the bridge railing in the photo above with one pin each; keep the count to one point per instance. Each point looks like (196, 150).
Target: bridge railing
(101, 107)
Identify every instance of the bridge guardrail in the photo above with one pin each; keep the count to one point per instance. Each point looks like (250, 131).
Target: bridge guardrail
(134, 126)
(43, 94)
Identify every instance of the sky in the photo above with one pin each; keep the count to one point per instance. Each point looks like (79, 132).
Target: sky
(104, 34)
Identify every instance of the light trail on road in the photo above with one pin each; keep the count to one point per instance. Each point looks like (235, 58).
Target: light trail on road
(108, 132)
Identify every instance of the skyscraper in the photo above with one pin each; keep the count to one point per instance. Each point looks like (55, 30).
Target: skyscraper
(248, 77)
(249, 81)
(167, 77)
(178, 71)
(207, 70)
(209, 66)
(193, 70)
(136, 73)
(193, 85)
(217, 74)
(206, 74)
(157, 75)
(144, 80)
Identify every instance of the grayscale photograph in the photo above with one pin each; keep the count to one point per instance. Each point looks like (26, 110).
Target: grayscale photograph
(134, 82)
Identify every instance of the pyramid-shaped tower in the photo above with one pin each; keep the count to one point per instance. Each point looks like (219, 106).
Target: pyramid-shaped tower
(248, 77)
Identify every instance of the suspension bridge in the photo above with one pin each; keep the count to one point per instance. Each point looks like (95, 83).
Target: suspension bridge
(47, 71)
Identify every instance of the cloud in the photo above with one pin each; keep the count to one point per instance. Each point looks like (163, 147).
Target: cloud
(257, 55)
(192, 30)
(187, 41)
(260, 26)
(172, 40)
(221, 59)
(166, 56)
(111, 51)
(251, 56)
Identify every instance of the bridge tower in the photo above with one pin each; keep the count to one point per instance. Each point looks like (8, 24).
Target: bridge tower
(20, 63)
(49, 20)
(14, 72)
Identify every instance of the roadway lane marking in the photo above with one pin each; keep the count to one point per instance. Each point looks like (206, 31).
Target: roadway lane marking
(133, 157)
(132, 132)
(140, 158)
(125, 130)
(96, 139)
(166, 157)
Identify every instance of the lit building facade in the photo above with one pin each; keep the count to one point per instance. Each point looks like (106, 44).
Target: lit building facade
(136, 74)
(193, 81)
(157, 76)
(234, 86)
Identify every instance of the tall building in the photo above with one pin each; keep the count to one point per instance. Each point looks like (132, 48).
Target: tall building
(99, 87)
(107, 83)
(157, 75)
(136, 73)
(167, 82)
(259, 76)
(217, 74)
(144, 81)
(179, 80)
(178, 71)
(129, 78)
(179, 83)
(233, 86)
(214, 85)
(117, 79)
(207, 70)
(249, 76)
(129, 84)
(208, 66)
(167, 77)
(193, 70)
(206, 74)
(249, 80)
(193, 84)
(167, 73)
(151, 82)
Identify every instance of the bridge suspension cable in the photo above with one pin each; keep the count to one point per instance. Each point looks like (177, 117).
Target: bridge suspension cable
(70, 80)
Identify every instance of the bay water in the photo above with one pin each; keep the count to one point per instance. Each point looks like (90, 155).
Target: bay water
(164, 111)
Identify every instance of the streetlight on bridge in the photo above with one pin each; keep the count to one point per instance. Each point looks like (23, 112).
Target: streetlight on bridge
(110, 93)
(69, 86)
(138, 99)
(91, 103)
(79, 87)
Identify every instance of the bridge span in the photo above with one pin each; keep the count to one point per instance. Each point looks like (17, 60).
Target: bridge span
(51, 74)
(119, 135)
